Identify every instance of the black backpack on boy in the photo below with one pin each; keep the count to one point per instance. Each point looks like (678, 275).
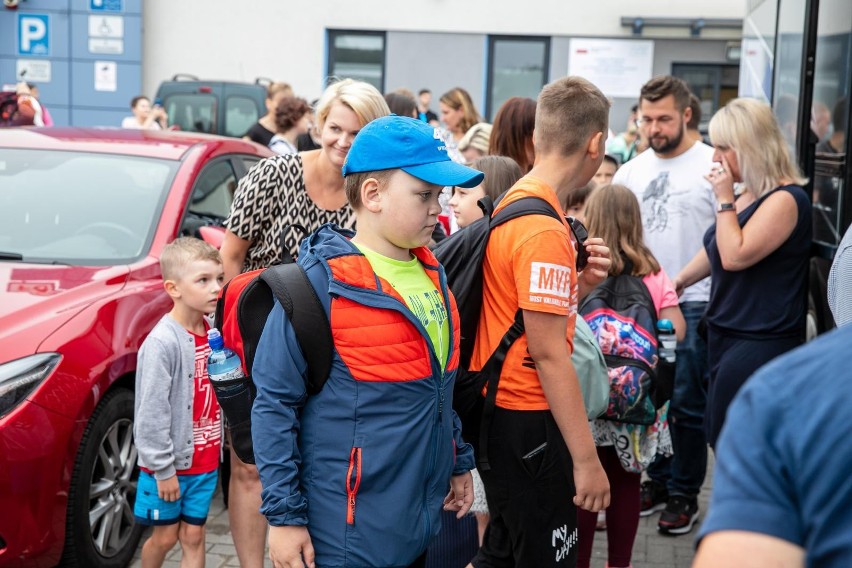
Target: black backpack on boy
(462, 256)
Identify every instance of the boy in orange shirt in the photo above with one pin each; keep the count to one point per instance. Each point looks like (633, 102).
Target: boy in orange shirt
(545, 448)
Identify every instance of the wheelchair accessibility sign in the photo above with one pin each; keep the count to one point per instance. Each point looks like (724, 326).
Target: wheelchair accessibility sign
(33, 34)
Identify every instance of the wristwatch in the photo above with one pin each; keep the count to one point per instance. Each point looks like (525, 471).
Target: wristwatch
(726, 207)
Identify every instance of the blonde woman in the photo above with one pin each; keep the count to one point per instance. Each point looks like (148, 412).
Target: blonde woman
(277, 194)
(304, 189)
(757, 253)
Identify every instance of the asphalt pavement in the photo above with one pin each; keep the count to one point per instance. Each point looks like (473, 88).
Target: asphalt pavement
(651, 550)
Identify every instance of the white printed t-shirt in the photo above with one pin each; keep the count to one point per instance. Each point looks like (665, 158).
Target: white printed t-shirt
(678, 206)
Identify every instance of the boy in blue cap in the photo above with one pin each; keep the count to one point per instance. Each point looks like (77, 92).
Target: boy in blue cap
(356, 475)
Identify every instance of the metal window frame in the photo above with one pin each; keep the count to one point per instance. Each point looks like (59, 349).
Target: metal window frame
(331, 34)
(489, 78)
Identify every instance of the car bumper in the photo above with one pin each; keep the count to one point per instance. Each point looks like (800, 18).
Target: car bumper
(35, 445)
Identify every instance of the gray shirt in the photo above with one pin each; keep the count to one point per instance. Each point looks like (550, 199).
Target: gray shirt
(165, 390)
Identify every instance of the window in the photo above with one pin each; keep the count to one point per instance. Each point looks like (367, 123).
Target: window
(240, 115)
(214, 190)
(713, 84)
(829, 121)
(357, 55)
(80, 208)
(517, 67)
(192, 112)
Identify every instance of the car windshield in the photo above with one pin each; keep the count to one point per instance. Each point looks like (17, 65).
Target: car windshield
(79, 208)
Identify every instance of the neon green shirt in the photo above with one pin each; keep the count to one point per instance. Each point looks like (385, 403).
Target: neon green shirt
(410, 280)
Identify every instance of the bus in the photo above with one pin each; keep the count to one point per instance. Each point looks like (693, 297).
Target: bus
(797, 55)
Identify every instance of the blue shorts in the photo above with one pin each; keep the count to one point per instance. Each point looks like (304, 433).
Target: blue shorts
(196, 492)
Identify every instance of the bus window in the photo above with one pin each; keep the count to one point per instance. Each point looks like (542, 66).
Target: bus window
(789, 46)
(830, 118)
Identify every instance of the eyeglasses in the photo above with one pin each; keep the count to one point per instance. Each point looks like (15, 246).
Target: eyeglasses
(662, 121)
(580, 235)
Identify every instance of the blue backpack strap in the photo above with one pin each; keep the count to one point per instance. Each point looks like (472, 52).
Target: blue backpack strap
(293, 290)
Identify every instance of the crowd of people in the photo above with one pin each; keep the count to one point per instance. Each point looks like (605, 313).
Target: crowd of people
(365, 472)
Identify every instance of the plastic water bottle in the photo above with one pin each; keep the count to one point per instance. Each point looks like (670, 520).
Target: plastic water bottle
(224, 366)
(668, 340)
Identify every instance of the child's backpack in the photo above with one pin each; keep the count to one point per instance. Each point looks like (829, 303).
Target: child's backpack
(623, 318)
(14, 114)
(241, 312)
(462, 256)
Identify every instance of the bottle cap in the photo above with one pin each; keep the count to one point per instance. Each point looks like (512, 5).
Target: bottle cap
(665, 325)
(214, 339)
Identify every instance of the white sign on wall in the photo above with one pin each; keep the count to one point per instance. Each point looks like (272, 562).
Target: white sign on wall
(618, 67)
(106, 26)
(33, 70)
(106, 76)
(106, 34)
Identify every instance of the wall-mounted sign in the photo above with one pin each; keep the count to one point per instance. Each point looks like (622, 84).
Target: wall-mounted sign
(106, 26)
(618, 67)
(33, 34)
(33, 70)
(106, 45)
(106, 76)
(106, 34)
(106, 6)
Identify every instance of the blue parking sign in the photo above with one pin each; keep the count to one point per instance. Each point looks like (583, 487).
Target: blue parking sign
(106, 6)
(33, 34)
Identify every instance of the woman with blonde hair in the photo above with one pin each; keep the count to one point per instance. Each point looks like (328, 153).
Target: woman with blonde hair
(274, 203)
(304, 189)
(757, 253)
(625, 450)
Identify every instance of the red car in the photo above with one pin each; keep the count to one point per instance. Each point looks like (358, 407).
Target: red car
(84, 214)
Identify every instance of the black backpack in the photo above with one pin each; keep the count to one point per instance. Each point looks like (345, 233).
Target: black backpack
(623, 318)
(241, 312)
(462, 256)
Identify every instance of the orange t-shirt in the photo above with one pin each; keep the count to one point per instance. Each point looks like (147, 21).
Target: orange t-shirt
(529, 264)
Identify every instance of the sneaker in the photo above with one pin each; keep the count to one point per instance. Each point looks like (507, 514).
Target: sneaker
(680, 515)
(652, 498)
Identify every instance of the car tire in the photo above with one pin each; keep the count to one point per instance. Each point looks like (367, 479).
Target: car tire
(103, 488)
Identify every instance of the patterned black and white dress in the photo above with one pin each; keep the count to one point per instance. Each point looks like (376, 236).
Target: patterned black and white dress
(271, 198)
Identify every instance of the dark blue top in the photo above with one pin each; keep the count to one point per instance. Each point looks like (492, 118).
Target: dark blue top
(766, 300)
(783, 459)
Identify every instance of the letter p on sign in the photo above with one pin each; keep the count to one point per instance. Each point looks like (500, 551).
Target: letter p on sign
(33, 34)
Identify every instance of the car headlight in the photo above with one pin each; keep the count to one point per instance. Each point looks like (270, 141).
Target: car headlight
(20, 377)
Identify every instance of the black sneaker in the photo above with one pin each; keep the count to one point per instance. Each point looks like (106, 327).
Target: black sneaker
(652, 498)
(680, 515)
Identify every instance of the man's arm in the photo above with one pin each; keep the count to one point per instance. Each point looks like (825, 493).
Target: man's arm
(549, 350)
(743, 549)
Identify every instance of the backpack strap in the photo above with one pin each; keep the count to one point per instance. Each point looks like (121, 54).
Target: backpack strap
(492, 369)
(525, 206)
(494, 366)
(293, 290)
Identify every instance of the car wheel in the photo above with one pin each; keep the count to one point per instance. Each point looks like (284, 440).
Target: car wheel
(100, 529)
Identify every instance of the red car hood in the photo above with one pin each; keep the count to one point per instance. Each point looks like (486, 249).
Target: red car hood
(37, 299)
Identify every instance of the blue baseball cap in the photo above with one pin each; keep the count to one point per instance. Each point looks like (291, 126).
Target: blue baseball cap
(411, 145)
